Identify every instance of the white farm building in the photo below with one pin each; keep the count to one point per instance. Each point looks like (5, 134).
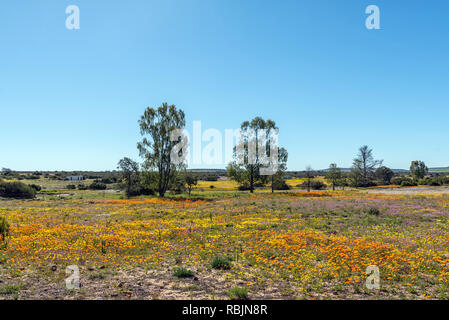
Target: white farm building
(75, 178)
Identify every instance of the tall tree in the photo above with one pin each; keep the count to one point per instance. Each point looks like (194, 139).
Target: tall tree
(130, 173)
(156, 127)
(363, 167)
(248, 170)
(418, 169)
(277, 179)
(333, 175)
(309, 174)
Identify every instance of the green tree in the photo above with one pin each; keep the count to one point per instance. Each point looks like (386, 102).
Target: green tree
(345, 180)
(130, 173)
(418, 169)
(246, 167)
(191, 180)
(277, 179)
(309, 174)
(384, 174)
(156, 127)
(333, 175)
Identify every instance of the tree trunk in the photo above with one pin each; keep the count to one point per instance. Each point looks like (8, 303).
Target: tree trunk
(251, 181)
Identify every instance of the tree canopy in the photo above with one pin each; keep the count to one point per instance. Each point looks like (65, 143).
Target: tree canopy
(157, 127)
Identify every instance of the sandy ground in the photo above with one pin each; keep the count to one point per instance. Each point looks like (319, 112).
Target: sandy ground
(410, 190)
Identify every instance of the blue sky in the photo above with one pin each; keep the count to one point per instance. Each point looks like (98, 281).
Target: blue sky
(71, 99)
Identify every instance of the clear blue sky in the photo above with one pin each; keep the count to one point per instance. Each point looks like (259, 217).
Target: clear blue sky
(70, 99)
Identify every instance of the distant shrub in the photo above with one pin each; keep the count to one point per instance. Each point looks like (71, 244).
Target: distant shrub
(211, 186)
(222, 263)
(314, 185)
(82, 187)
(435, 182)
(404, 181)
(373, 211)
(71, 187)
(36, 187)
(16, 190)
(280, 185)
(97, 186)
(398, 180)
(244, 186)
(181, 272)
(211, 178)
(146, 191)
(238, 293)
(108, 180)
(423, 182)
(408, 183)
(318, 185)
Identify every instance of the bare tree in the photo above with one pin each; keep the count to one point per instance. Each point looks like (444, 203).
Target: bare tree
(364, 166)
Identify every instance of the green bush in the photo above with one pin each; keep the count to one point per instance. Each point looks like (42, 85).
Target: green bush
(314, 185)
(423, 182)
(16, 190)
(280, 184)
(181, 272)
(318, 185)
(10, 288)
(373, 211)
(139, 190)
(109, 180)
(435, 182)
(210, 178)
(36, 187)
(222, 263)
(398, 180)
(244, 187)
(71, 187)
(238, 293)
(97, 186)
(408, 183)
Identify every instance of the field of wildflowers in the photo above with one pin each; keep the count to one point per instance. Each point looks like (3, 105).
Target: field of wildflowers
(279, 246)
